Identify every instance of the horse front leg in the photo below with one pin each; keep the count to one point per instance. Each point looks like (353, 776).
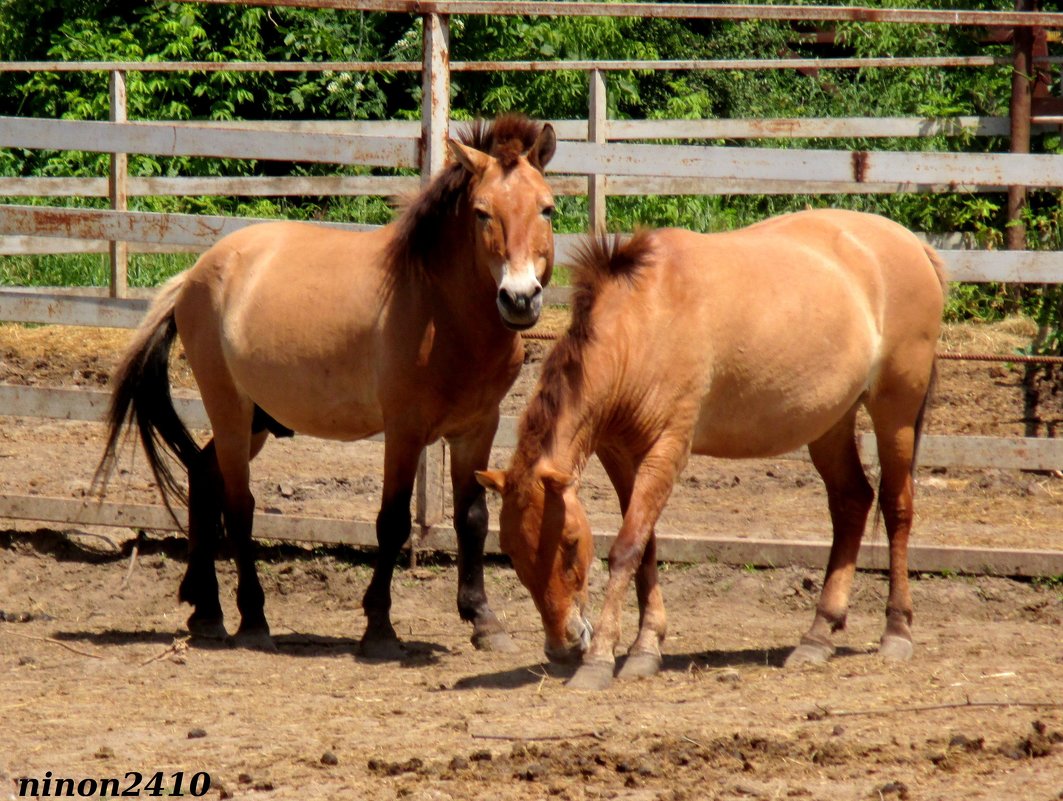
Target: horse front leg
(644, 655)
(393, 525)
(652, 485)
(469, 453)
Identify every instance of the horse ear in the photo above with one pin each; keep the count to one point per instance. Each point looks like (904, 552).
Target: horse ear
(543, 149)
(557, 481)
(475, 161)
(491, 479)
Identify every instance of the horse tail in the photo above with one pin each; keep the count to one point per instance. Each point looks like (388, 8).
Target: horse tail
(942, 275)
(141, 396)
(939, 268)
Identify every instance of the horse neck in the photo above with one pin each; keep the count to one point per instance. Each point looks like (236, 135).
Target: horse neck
(567, 420)
(455, 294)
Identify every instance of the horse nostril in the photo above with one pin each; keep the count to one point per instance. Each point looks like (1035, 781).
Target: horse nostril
(517, 303)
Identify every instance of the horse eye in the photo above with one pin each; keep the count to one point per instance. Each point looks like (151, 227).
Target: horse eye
(548, 212)
(483, 216)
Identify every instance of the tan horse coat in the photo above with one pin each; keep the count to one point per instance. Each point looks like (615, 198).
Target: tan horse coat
(410, 330)
(742, 344)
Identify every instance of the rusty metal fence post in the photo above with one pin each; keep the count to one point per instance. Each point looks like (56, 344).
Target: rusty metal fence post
(596, 134)
(117, 189)
(435, 128)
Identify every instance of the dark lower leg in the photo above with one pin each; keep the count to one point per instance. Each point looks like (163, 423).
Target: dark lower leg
(250, 599)
(199, 587)
(470, 524)
(392, 531)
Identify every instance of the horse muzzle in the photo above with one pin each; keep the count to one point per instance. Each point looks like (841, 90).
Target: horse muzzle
(578, 634)
(520, 310)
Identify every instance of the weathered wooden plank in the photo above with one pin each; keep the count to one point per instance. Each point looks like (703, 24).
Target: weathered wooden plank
(1009, 453)
(807, 128)
(813, 166)
(31, 307)
(759, 552)
(339, 185)
(51, 245)
(766, 552)
(1007, 266)
(936, 450)
(191, 140)
(686, 185)
(135, 226)
(82, 404)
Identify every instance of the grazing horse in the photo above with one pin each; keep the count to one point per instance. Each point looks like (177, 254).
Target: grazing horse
(742, 344)
(410, 330)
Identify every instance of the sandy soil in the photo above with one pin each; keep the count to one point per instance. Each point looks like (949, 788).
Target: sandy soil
(97, 679)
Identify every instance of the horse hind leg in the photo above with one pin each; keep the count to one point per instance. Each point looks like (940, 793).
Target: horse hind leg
(849, 498)
(238, 510)
(896, 447)
(199, 587)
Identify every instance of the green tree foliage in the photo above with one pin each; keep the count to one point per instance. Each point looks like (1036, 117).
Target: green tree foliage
(108, 30)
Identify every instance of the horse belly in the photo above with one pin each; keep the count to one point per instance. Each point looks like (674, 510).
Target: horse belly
(776, 408)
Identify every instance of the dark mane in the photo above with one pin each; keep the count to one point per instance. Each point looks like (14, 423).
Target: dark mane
(424, 216)
(598, 259)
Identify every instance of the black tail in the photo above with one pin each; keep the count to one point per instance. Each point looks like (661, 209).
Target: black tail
(141, 396)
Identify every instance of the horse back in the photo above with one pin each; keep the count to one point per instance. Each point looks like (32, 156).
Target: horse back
(287, 316)
(767, 335)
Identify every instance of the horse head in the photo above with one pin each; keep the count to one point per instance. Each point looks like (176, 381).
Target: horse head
(513, 209)
(545, 533)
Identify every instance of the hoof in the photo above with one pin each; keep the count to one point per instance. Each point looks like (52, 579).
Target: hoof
(255, 640)
(383, 648)
(207, 629)
(592, 676)
(809, 653)
(498, 642)
(640, 666)
(893, 648)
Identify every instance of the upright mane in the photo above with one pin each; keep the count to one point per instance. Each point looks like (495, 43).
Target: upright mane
(424, 217)
(598, 259)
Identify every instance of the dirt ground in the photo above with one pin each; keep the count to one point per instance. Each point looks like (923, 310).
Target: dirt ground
(97, 679)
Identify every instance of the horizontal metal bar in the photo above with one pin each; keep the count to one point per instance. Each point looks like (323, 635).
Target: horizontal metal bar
(199, 140)
(1006, 19)
(758, 551)
(737, 64)
(552, 65)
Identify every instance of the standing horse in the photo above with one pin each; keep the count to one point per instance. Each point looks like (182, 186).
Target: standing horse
(410, 329)
(742, 344)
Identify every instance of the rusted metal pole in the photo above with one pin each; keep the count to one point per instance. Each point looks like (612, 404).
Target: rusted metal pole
(435, 128)
(435, 102)
(1022, 83)
(117, 189)
(596, 123)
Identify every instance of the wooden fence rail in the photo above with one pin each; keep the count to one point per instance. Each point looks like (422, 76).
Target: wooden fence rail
(598, 157)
